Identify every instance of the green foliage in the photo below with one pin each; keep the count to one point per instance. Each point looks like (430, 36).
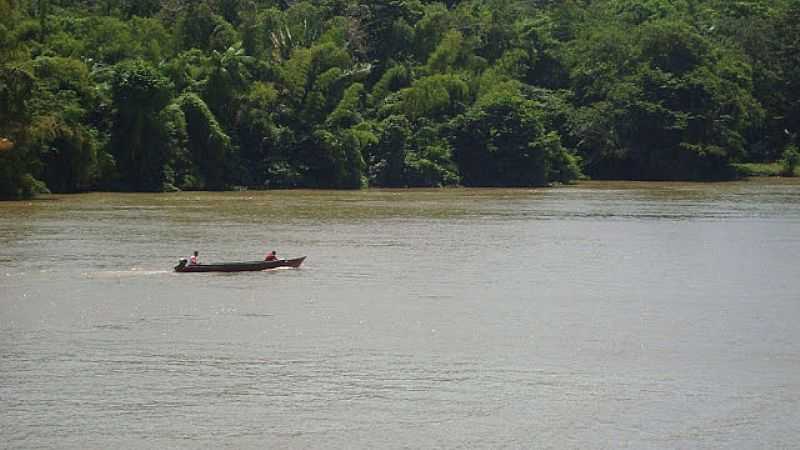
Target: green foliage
(341, 162)
(304, 23)
(430, 29)
(199, 27)
(388, 155)
(394, 79)
(773, 44)
(448, 55)
(430, 159)
(791, 158)
(435, 96)
(502, 141)
(110, 40)
(347, 113)
(258, 132)
(207, 142)
(673, 47)
(314, 79)
(15, 182)
(674, 110)
(758, 169)
(174, 94)
(264, 34)
(228, 76)
(57, 134)
(139, 93)
(388, 27)
(179, 170)
(16, 160)
(16, 87)
(636, 12)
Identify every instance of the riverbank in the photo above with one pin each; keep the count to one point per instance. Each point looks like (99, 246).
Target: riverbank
(774, 169)
(745, 171)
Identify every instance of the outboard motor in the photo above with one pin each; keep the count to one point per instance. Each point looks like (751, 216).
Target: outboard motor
(181, 263)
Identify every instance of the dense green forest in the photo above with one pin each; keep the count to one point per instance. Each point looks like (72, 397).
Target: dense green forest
(153, 95)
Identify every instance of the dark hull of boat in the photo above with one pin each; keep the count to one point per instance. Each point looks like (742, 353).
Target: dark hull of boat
(250, 266)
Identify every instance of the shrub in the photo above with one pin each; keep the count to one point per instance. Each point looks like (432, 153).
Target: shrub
(791, 157)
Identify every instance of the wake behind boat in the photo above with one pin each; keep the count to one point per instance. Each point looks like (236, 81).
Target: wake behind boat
(248, 266)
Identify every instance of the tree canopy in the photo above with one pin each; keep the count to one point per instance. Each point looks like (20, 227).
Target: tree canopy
(153, 95)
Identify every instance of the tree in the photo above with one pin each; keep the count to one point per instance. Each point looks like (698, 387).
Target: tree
(791, 158)
(501, 141)
(389, 27)
(67, 147)
(209, 146)
(17, 160)
(228, 77)
(677, 107)
(776, 64)
(394, 79)
(388, 154)
(330, 93)
(435, 96)
(258, 132)
(139, 94)
(200, 28)
(429, 161)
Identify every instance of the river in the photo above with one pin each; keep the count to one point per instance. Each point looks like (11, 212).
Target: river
(601, 315)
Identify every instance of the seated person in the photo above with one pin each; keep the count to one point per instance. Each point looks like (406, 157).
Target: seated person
(193, 259)
(271, 256)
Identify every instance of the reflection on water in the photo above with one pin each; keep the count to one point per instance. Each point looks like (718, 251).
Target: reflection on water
(599, 315)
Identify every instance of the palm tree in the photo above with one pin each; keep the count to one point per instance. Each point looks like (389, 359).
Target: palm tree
(228, 77)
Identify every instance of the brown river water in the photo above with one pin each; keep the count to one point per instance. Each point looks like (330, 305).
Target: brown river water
(602, 315)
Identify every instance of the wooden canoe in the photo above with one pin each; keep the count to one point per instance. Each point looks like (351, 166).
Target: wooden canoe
(248, 266)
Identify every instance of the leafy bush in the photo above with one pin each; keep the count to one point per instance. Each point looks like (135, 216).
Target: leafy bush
(791, 158)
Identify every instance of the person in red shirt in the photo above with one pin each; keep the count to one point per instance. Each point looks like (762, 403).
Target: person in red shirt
(193, 259)
(271, 256)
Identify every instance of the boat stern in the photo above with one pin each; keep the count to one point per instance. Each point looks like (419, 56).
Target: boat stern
(181, 264)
